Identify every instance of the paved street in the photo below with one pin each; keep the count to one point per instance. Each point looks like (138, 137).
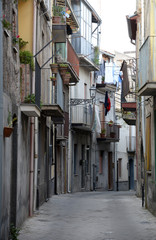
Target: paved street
(91, 216)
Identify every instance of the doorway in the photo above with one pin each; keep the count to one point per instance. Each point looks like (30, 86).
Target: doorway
(131, 174)
(83, 166)
(110, 174)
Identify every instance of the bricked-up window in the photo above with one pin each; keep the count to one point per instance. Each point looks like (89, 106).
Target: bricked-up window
(148, 142)
(75, 158)
(101, 162)
(119, 167)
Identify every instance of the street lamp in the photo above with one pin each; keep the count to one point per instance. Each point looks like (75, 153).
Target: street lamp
(92, 91)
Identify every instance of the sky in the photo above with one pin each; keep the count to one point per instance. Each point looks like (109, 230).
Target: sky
(114, 31)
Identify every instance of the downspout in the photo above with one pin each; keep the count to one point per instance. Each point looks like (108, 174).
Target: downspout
(70, 148)
(32, 135)
(36, 119)
(1, 113)
(55, 130)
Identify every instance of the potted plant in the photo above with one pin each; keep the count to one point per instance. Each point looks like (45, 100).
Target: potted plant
(9, 129)
(54, 67)
(66, 77)
(112, 134)
(63, 68)
(103, 132)
(57, 14)
(30, 99)
(103, 80)
(7, 25)
(53, 80)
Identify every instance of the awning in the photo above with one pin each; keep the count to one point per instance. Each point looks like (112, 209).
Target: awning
(132, 26)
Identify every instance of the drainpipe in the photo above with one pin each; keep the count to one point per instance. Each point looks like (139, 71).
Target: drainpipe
(1, 113)
(36, 119)
(32, 135)
(55, 130)
(70, 148)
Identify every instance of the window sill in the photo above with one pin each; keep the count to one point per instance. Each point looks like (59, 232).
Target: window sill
(6, 33)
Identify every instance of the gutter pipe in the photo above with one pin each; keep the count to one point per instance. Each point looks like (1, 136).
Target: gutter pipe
(32, 199)
(1, 114)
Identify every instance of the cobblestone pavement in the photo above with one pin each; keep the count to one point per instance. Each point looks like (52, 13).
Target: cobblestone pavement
(91, 216)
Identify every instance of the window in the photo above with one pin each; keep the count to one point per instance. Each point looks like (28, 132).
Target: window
(119, 167)
(75, 158)
(61, 52)
(101, 162)
(85, 22)
(148, 143)
(85, 90)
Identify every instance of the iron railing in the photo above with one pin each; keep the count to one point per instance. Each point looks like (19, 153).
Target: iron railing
(109, 130)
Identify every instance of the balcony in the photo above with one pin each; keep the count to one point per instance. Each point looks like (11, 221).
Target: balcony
(54, 111)
(131, 144)
(147, 76)
(129, 117)
(90, 58)
(109, 132)
(81, 117)
(66, 55)
(129, 112)
(28, 100)
(66, 26)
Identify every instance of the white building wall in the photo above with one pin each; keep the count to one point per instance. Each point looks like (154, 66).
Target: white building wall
(78, 91)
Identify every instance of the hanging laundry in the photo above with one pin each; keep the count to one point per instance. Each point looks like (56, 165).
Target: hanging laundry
(107, 104)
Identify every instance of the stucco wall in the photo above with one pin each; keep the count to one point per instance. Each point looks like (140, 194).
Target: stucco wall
(23, 172)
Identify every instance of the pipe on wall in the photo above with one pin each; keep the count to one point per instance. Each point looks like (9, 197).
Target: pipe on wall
(32, 133)
(1, 114)
(36, 119)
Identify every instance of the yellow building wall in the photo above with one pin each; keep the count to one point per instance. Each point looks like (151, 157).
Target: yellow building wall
(25, 23)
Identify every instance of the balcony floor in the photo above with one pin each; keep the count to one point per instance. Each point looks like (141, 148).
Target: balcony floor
(107, 139)
(80, 126)
(148, 89)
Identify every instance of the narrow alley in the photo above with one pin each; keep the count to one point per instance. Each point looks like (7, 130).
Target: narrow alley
(91, 216)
